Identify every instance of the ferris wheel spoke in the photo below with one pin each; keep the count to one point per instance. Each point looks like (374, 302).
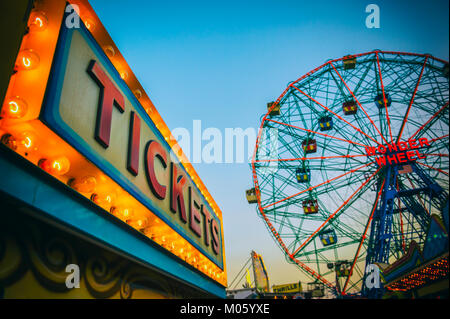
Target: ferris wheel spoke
(439, 138)
(429, 121)
(318, 133)
(342, 93)
(399, 79)
(313, 273)
(320, 158)
(363, 237)
(384, 96)
(402, 73)
(359, 104)
(316, 186)
(439, 151)
(335, 213)
(337, 149)
(437, 160)
(443, 92)
(339, 117)
(341, 130)
(433, 168)
(405, 119)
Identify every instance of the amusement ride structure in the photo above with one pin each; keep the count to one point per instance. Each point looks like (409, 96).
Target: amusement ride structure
(350, 163)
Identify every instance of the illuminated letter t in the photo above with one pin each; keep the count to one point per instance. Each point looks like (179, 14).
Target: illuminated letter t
(109, 96)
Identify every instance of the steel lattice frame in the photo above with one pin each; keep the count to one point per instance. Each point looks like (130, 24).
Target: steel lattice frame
(345, 181)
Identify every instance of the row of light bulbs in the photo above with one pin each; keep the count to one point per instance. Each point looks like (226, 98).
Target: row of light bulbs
(430, 273)
(15, 107)
(60, 165)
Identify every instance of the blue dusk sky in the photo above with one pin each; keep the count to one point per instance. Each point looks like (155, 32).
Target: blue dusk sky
(221, 62)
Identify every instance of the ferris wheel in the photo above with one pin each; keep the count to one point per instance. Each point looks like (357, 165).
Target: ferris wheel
(351, 161)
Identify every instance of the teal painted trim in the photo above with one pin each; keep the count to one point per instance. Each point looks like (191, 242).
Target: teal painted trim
(22, 180)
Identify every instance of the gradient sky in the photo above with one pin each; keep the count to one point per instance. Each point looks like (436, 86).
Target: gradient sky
(221, 62)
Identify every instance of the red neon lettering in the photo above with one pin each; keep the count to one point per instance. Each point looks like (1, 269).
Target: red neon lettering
(370, 150)
(177, 198)
(207, 218)
(423, 141)
(194, 215)
(109, 96)
(133, 144)
(155, 150)
(412, 144)
(215, 236)
(403, 146)
(410, 155)
(381, 149)
(392, 158)
(392, 147)
(420, 156)
(401, 157)
(381, 161)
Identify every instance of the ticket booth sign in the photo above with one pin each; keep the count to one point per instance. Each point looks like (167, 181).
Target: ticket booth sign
(96, 135)
(89, 105)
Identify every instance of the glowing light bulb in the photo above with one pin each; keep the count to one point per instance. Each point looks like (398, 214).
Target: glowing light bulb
(139, 224)
(109, 50)
(37, 22)
(27, 60)
(9, 141)
(90, 24)
(137, 93)
(106, 200)
(55, 166)
(14, 108)
(123, 213)
(85, 184)
(124, 75)
(28, 141)
(127, 213)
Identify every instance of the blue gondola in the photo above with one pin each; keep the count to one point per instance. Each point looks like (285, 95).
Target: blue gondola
(328, 237)
(379, 100)
(303, 175)
(325, 123)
